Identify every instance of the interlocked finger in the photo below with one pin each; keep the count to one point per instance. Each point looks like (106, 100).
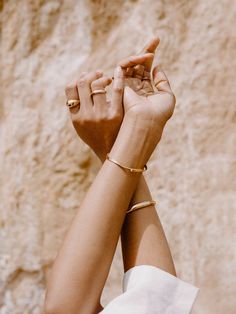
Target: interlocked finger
(129, 72)
(84, 88)
(138, 71)
(150, 48)
(161, 81)
(98, 94)
(146, 76)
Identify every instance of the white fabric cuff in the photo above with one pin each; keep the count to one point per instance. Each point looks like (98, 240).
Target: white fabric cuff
(177, 294)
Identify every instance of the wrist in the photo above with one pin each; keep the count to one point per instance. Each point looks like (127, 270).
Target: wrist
(134, 143)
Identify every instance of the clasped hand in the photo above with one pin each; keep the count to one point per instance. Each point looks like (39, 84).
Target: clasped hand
(141, 101)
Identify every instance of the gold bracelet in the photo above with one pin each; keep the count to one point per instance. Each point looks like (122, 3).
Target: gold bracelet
(124, 167)
(141, 205)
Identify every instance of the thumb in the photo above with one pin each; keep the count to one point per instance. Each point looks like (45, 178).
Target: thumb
(130, 98)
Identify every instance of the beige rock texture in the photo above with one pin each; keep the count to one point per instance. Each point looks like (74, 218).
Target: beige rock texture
(46, 169)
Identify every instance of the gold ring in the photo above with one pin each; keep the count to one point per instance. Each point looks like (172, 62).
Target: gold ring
(72, 103)
(98, 91)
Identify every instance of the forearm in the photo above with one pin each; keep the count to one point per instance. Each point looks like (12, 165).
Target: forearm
(82, 265)
(143, 238)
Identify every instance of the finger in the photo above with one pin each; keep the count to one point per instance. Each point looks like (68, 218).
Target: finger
(84, 87)
(138, 71)
(71, 92)
(150, 47)
(148, 63)
(129, 72)
(161, 81)
(146, 76)
(134, 60)
(118, 88)
(100, 100)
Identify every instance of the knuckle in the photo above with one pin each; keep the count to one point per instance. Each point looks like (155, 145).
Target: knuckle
(103, 115)
(91, 77)
(70, 86)
(82, 82)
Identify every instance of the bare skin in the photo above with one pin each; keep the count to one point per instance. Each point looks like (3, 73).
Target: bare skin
(143, 238)
(82, 265)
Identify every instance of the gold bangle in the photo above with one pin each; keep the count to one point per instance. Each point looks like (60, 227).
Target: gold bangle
(98, 91)
(141, 205)
(124, 167)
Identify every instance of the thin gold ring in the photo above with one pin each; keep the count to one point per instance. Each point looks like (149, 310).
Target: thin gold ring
(72, 103)
(98, 91)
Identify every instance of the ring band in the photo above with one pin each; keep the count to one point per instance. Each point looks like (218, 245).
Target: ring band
(98, 91)
(72, 103)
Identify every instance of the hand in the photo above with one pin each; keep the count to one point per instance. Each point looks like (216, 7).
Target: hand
(148, 106)
(138, 78)
(143, 123)
(97, 120)
(137, 75)
(159, 105)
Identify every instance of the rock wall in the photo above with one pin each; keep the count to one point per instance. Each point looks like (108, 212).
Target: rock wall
(45, 169)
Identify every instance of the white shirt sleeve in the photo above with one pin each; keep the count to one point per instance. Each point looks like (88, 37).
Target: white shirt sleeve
(150, 290)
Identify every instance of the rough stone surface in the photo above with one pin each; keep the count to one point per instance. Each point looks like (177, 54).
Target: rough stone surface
(45, 169)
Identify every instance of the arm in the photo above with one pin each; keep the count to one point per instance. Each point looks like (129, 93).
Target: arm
(143, 238)
(82, 265)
